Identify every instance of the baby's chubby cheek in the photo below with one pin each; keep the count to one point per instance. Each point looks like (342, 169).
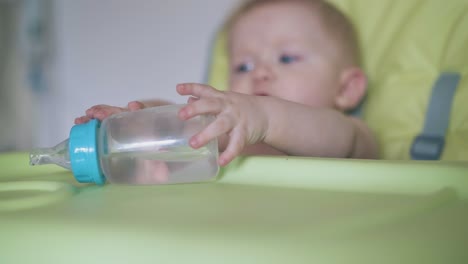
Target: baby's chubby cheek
(311, 95)
(240, 87)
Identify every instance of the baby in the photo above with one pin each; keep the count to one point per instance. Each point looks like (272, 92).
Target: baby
(294, 73)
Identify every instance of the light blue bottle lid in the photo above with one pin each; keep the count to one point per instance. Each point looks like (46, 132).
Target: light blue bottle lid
(83, 152)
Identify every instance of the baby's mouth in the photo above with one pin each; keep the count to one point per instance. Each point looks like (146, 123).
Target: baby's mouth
(261, 94)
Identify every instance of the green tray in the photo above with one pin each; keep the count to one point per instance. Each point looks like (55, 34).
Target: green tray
(260, 210)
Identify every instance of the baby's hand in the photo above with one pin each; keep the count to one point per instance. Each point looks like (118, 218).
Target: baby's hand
(238, 115)
(101, 112)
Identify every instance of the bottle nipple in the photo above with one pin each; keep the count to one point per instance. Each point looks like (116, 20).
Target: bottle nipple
(58, 155)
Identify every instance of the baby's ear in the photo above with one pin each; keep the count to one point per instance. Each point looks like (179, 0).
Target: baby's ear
(353, 86)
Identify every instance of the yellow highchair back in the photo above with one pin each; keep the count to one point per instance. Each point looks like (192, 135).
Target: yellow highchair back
(415, 55)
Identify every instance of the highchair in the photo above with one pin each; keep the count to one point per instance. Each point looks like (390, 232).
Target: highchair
(409, 207)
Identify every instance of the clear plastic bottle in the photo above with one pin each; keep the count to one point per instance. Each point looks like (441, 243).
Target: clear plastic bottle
(149, 146)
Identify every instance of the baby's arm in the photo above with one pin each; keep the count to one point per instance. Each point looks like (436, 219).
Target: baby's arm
(292, 128)
(304, 131)
(249, 150)
(102, 111)
(261, 149)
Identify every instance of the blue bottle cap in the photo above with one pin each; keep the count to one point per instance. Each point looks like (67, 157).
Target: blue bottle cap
(84, 157)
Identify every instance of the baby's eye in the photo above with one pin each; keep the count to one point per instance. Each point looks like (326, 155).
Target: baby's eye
(244, 67)
(286, 59)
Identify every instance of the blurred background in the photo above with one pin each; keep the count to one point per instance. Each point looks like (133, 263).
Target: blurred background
(59, 57)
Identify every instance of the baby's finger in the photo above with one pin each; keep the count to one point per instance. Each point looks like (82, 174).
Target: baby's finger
(192, 99)
(81, 120)
(104, 111)
(197, 90)
(200, 107)
(234, 148)
(92, 111)
(216, 128)
(135, 105)
(102, 114)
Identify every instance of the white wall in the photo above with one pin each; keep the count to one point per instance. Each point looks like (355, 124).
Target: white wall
(114, 51)
(16, 102)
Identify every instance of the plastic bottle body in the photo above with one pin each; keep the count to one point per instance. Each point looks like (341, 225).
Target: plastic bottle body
(150, 146)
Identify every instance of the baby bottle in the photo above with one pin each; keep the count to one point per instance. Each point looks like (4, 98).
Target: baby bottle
(148, 146)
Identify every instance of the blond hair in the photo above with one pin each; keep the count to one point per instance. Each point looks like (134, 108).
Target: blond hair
(336, 23)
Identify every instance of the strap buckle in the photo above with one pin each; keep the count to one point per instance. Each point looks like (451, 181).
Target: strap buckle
(426, 147)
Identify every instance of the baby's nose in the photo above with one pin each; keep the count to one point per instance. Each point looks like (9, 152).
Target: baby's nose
(263, 73)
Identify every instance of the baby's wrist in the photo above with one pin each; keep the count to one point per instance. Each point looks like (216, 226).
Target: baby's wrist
(263, 120)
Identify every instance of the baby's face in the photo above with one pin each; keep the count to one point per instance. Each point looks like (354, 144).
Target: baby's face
(281, 50)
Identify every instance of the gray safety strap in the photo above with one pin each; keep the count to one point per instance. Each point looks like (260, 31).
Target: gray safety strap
(429, 145)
